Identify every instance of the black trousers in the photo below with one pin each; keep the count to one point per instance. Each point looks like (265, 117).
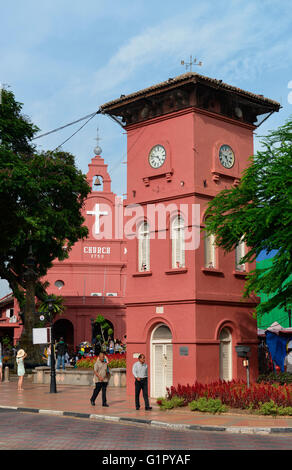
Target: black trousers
(141, 384)
(99, 386)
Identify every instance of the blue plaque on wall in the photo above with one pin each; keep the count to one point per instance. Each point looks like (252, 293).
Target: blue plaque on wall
(184, 351)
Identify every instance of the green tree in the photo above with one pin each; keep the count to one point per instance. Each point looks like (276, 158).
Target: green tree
(104, 328)
(259, 211)
(58, 308)
(41, 198)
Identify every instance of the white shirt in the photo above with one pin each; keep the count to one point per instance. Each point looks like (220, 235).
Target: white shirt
(140, 371)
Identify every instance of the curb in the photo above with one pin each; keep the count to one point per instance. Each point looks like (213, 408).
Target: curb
(154, 423)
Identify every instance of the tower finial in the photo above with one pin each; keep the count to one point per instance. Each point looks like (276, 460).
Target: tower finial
(97, 149)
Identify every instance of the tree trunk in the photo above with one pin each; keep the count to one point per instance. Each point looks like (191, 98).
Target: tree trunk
(26, 340)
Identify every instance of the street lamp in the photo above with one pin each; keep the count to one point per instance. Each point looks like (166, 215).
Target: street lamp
(243, 352)
(50, 305)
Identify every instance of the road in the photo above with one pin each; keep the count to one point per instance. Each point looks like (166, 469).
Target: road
(29, 431)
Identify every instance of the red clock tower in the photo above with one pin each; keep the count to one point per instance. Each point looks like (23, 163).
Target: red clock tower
(188, 138)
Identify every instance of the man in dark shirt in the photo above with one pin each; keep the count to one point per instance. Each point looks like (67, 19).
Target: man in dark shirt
(61, 350)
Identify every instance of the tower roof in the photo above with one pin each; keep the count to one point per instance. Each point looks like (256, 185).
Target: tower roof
(187, 82)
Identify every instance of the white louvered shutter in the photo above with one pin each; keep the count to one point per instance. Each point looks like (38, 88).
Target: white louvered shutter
(225, 351)
(169, 366)
(178, 243)
(158, 371)
(239, 254)
(210, 258)
(144, 248)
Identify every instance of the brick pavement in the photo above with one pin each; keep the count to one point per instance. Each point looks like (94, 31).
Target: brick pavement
(74, 400)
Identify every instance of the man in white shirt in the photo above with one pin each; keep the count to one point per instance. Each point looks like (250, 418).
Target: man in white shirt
(140, 372)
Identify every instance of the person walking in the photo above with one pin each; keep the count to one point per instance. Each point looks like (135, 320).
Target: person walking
(101, 376)
(21, 355)
(61, 350)
(140, 372)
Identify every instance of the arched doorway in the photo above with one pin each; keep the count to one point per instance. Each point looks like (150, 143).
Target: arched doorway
(64, 328)
(225, 353)
(161, 360)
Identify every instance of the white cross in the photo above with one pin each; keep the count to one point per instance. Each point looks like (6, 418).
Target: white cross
(97, 214)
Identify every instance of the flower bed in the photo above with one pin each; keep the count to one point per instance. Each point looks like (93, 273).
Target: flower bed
(235, 394)
(115, 361)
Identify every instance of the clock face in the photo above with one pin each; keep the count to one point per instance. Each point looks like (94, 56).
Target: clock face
(157, 156)
(226, 156)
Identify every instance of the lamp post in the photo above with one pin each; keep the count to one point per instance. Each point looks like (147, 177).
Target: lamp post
(50, 303)
(243, 352)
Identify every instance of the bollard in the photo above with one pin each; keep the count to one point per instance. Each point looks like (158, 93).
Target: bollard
(6, 374)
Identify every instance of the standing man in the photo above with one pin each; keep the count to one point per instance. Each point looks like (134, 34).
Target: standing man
(101, 375)
(61, 350)
(140, 372)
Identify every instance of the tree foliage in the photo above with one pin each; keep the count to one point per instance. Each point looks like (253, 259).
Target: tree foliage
(41, 197)
(259, 211)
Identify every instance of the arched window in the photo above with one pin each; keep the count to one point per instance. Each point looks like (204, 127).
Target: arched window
(210, 251)
(239, 254)
(178, 242)
(97, 184)
(143, 247)
(225, 354)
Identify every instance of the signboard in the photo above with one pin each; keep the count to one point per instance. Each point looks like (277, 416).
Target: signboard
(98, 252)
(41, 335)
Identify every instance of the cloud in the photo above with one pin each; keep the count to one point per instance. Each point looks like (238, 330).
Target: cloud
(236, 42)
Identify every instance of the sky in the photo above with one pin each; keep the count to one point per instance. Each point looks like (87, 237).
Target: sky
(64, 59)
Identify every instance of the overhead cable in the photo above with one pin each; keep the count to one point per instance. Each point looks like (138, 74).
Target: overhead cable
(83, 125)
(67, 125)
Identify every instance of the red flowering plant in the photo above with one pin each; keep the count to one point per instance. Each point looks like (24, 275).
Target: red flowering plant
(116, 360)
(235, 394)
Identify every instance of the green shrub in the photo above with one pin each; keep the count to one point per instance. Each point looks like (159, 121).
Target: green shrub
(208, 405)
(271, 408)
(285, 410)
(268, 408)
(117, 363)
(166, 404)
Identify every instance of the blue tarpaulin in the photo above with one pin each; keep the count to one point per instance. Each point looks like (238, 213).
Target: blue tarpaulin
(277, 346)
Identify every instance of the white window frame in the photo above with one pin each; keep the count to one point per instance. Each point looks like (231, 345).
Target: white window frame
(143, 247)
(210, 251)
(178, 242)
(225, 346)
(239, 254)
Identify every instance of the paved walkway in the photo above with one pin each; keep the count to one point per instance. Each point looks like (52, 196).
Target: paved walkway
(74, 401)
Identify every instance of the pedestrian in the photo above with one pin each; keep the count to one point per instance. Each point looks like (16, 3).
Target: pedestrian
(111, 347)
(61, 350)
(21, 355)
(288, 359)
(101, 377)
(118, 347)
(140, 372)
(49, 355)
